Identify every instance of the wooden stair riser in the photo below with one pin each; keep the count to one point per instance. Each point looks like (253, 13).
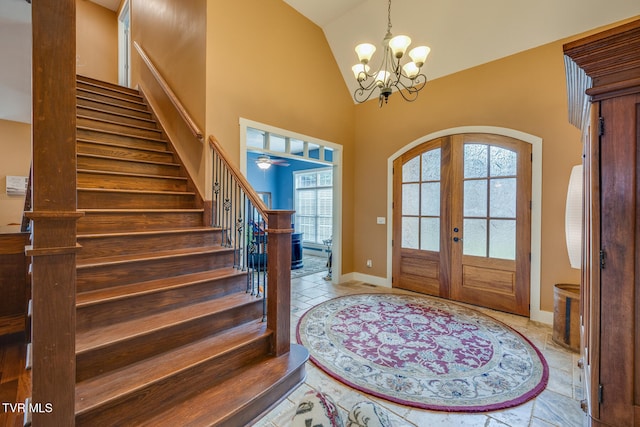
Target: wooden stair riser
(260, 405)
(91, 81)
(102, 222)
(118, 128)
(128, 139)
(92, 199)
(147, 154)
(115, 100)
(127, 166)
(123, 352)
(92, 179)
(110, 91)
(109, 275)
(137, 111)
(240, 400)
(110, 116)
(133, 408)
(107, 246)
(136, 306)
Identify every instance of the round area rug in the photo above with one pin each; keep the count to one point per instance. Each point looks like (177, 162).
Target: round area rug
(423, 352)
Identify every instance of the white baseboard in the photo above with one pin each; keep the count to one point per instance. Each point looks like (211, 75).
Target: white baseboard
(541, 316)
(535, 315)
(366, 278)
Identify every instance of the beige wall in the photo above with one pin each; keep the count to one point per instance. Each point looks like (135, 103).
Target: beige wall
(268, 63)
(96, 41)
(172, 33)
(15, 146)
(525, 92)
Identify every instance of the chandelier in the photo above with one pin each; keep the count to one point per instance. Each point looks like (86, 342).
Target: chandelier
(407, 78)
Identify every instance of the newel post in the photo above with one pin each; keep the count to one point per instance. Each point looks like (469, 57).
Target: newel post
(279, 279)
(54, 214)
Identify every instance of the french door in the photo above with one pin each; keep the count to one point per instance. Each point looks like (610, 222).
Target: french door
(462, 220)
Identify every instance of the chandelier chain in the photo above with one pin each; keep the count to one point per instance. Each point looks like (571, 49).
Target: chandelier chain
(389, 18)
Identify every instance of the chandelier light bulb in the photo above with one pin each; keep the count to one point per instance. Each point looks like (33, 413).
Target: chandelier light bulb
(419, 55)
(382, 78)
(411, 70)
(360, 71)
(399, 45)
(365, 51)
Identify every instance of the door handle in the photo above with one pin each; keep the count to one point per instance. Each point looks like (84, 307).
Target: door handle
(457, 239)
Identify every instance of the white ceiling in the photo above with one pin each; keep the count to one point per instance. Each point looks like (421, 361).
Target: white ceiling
(461, 33)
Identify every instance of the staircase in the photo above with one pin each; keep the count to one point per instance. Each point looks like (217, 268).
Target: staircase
(166, 332)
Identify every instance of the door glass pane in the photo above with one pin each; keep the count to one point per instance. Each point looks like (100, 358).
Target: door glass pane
(411, 170)
(430, 234)
(503, 162)
(410, 199)
(430, 199)
(476, 160)
(431, 165)
(410, 232)
(474, 237)
(503, 198)
(475, 198)
(502, 239)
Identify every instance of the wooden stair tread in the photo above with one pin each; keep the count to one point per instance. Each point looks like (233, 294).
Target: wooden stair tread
(100, 337)
(124, 259)
(11, 324)
(124, 125)
(131, 174)
(217, 405)
(121, 145)
(112, 95)
(128, 135)
(100, 390)
(117, 190)
(150, 232)
(143, 108)
(138, 210)
(124, 159)
(116, 114)
(105, 85)
(89, 298)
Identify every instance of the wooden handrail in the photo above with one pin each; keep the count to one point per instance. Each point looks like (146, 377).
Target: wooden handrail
(172, 96)
(242, 181)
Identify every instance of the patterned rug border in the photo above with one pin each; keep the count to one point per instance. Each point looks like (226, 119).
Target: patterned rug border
(467, 409)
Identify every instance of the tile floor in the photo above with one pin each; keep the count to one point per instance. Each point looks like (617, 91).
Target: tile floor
(557, 405)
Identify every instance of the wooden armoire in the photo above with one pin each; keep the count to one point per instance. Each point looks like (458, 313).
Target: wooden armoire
(610, 288)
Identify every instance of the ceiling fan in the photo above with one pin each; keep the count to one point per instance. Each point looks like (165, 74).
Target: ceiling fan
(264, 162)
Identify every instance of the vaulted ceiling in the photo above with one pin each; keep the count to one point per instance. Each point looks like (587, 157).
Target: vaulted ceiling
(461, 33)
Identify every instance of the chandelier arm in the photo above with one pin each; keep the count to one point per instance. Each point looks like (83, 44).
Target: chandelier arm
(371, 84)
(410, 93)
(359, 94)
